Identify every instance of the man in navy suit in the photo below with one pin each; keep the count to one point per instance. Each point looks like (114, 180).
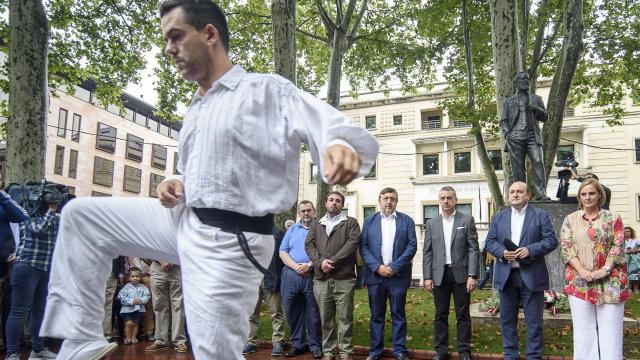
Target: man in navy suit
(521, 275)
(388, 244)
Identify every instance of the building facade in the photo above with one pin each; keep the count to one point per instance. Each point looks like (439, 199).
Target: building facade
(108, 151)
(422, 149)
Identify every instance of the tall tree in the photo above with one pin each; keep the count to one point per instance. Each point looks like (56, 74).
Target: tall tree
(28, 97)
(93, 39)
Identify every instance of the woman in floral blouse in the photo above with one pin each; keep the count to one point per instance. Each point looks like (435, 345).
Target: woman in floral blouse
(592, 241)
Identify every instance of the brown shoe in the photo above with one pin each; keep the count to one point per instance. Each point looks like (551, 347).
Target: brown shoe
(182, 348)
(156, 346)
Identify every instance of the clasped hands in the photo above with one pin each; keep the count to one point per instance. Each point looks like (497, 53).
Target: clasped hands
(589, 276)
(303, 269)
(519, 253)
(385, 271)
(137, 302)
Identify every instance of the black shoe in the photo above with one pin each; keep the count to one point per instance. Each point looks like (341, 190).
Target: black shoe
(373, 357)
(402, 356)
(317, 354)
(294, 351)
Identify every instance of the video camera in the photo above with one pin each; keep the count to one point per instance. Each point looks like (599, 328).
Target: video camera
(568, 162)
(35, 194)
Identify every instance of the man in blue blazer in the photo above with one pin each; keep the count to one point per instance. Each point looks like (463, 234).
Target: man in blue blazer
(521, 273)
(387, 245)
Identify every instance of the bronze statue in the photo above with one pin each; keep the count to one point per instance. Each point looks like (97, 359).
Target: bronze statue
(519, 124)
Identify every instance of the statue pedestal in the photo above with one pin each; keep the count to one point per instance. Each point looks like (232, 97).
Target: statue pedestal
(555, 265)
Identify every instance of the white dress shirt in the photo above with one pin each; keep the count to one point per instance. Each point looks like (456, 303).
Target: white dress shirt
(330, 222)
(447, 229)
(517, 221)
(388, 228)
(239, 146)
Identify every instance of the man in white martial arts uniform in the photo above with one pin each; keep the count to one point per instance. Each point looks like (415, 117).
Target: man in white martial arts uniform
(239, 157)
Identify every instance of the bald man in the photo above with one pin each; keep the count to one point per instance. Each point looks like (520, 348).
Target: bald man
(519, 237)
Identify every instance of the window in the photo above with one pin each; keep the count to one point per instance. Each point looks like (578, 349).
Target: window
(637, 147)
(112, 108)
(152, 124)
(62, 122)
(397, 120)
(102, 172)
(430, 164)
(175, 163)
(496, 159)
(153, 184)
(314, 173)
(373, 172)
(564, 152)
(140, 119)
(460, 124)
(164, 130)
(75, 128)
(159, 157)
(368, 211)
(128, 114)
(99, 194)
(174, 134)
(462, 162)
(370, 122)
(464, 209)
(429, 211)
(431, 120)
(59, 159)
(132, 179)
(135, 146)
(106, 139)
(73, 164)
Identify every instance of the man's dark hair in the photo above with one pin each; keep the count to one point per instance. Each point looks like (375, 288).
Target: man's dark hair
(335, 193)
(200, 13)
(388, 190)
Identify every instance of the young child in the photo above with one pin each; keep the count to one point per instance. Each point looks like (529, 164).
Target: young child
(133, 297)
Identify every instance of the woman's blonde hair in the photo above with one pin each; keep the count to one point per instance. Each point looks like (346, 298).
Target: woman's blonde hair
(602, 196)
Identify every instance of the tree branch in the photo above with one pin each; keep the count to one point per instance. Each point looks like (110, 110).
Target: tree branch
(537, 45)
(352, 36)
(329, 25)
(313, 36)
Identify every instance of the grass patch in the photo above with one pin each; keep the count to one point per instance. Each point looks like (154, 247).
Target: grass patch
(485, 338)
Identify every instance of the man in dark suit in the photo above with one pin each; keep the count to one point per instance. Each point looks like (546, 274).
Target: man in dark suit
(521, 275)
(450, 266)
(519, 124)
(388, 244)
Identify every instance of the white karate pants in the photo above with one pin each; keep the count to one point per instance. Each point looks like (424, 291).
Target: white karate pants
(220, 285)
(586, 338)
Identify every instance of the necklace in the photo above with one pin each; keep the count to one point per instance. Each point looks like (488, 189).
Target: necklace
(590, 221)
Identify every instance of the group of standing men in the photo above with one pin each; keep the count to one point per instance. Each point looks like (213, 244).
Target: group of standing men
(318, 278)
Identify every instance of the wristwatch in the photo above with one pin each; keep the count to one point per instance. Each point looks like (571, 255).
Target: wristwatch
(607, 269)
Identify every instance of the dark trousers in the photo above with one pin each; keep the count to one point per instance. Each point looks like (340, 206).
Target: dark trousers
(397, 295)
(29, 291)
(461, 299)
(515, 293)
(301, 309)
(520, 147)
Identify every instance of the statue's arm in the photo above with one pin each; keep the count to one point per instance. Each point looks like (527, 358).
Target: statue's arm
(539, 110)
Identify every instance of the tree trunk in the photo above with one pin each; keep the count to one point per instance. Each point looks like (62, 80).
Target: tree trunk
(487, 166)
(504, 40)
(283, 19)
(28, 94)
(338, 50)
(572, 46)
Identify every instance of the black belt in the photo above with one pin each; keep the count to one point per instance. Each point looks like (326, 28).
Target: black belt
(236, 223)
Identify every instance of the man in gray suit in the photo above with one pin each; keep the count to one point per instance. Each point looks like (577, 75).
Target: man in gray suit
(519, 124)
(450, 266)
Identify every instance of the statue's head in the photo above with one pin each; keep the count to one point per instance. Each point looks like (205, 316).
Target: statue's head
(522, 81)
